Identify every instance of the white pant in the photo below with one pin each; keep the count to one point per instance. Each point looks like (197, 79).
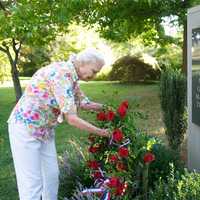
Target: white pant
(35, 165)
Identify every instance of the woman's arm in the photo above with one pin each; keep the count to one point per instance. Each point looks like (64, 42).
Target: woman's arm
(84, 102)
(91, 106)
(77, 122)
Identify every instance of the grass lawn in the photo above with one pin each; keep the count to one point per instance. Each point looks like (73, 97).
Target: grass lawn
(146, 96)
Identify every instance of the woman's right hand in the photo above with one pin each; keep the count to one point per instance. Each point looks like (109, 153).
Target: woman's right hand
(75, 121)
(104, 133)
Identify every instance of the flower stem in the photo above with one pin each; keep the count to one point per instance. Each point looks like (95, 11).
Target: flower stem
(145, 181)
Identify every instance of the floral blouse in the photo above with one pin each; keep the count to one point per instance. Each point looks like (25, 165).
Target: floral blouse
(52, 91)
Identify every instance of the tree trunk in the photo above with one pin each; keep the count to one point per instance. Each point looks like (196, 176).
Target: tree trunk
(13, 64)
(184, 52)
(15, 77)
(14, 71)
(16, 82)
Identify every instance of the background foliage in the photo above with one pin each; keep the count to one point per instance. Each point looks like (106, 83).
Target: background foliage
(133, 69)
(173, 104)
(177, 186)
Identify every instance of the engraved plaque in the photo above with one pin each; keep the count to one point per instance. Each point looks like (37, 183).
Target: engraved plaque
(196, 76)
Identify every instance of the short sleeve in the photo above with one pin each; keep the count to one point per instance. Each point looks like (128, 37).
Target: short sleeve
(85, 100)
(80, 96)
(62, 88)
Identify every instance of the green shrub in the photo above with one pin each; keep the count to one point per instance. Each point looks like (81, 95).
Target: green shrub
(173, 101)
(101, 77)
(160, 167)
(177, 187)
(132, 69)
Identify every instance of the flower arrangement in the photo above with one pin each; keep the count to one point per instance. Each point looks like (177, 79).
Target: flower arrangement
(110, 159)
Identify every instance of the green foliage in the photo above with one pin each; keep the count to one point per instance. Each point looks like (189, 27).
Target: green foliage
(132, 69)
(76, 39)
(36, 22)
(177, 187)
(118, 20)
(160, 168)
(195, 2)
(32, 59)
(101, 77)
(26, 23)
(169, 56)
(173, 101)
(4, 68)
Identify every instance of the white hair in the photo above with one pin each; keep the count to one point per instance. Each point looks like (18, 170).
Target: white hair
(90, 56)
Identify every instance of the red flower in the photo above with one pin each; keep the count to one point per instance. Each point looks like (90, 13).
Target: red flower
(56, 111)
(101, 116)
(149, 157)
(93, 164)
(113, 158)
(123, 152)
(120, 166)
(121, 189)
(91, 138)
(93, 149)
(122, 110)
(117, 135)
(97, 175)
(125, 103)
(110, 115)
(113, 182)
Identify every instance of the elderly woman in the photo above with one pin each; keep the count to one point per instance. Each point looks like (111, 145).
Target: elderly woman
(52, 95)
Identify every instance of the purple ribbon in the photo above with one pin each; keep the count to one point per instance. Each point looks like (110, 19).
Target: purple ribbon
(101, 188)
(125, 142)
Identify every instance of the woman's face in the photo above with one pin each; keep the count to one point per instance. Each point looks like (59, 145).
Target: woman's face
(88, 70)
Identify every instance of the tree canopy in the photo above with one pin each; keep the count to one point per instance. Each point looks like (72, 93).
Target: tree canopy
(36, 22)
(32, 23)
(118, 20)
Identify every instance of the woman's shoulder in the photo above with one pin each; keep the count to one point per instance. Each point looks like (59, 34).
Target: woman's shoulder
(60, 68)
(57, 67)
(61, 65)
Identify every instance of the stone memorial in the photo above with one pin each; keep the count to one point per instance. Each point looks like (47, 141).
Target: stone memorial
(193, 88)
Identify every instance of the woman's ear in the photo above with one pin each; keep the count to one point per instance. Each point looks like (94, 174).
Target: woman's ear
(77, 64)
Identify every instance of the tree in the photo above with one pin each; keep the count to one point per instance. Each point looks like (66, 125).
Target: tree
(119, 20)
(32, 23)
(31, 59)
